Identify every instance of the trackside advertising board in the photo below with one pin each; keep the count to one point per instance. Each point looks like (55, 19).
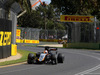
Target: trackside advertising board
(18, 32)
(5, 38)
(76, 18)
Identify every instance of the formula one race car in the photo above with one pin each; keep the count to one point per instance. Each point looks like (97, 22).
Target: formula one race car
(50, 55)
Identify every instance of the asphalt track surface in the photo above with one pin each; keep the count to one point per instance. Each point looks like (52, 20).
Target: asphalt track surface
(77, 62)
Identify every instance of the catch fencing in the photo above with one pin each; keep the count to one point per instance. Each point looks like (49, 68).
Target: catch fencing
(36, 34)
(83, 32)
(52, 34)
(29, 33)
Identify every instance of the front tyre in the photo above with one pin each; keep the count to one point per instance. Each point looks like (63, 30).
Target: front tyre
(54, 59)
(54, 62)
(30, 59)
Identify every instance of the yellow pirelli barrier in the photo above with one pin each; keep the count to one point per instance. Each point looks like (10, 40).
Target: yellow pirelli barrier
(19, 41)
(31, 41)
(26, 41)
(34, 41)
(13, 49)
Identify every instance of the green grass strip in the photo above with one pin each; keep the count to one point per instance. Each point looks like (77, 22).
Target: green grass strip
(24, 54)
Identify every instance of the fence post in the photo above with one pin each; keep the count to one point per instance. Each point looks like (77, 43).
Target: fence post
(95, 29)
(14, 26)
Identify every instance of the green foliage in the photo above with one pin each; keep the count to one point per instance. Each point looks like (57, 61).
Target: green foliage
(83, 45)
(79, 7)
(42, 17)
(28, 20)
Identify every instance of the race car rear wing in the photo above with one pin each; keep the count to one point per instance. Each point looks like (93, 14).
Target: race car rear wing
(50, 48)
(54, 49)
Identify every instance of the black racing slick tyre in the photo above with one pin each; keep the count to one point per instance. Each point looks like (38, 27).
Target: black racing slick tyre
(54, 62)
(29, 61)
(60, 58)
(30, 58)
(54, 59)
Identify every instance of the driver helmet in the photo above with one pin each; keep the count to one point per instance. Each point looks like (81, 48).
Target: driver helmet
(45, 51)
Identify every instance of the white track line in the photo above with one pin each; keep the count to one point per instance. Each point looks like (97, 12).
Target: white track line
(98, 58)
(89, 70)
(94, 73)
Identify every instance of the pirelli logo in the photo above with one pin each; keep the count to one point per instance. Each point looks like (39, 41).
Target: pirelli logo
(75, 18)
(5, 38)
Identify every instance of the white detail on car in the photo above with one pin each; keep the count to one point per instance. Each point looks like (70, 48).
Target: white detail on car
(42, 56)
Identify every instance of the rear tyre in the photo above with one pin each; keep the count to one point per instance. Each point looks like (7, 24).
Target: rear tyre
(60, 58)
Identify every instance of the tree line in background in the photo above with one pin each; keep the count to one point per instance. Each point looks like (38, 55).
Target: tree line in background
(48, 17)
(44, 17)
(85, 31)
(78, 7)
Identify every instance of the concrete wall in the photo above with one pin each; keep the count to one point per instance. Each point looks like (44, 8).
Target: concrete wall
(8, 23)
